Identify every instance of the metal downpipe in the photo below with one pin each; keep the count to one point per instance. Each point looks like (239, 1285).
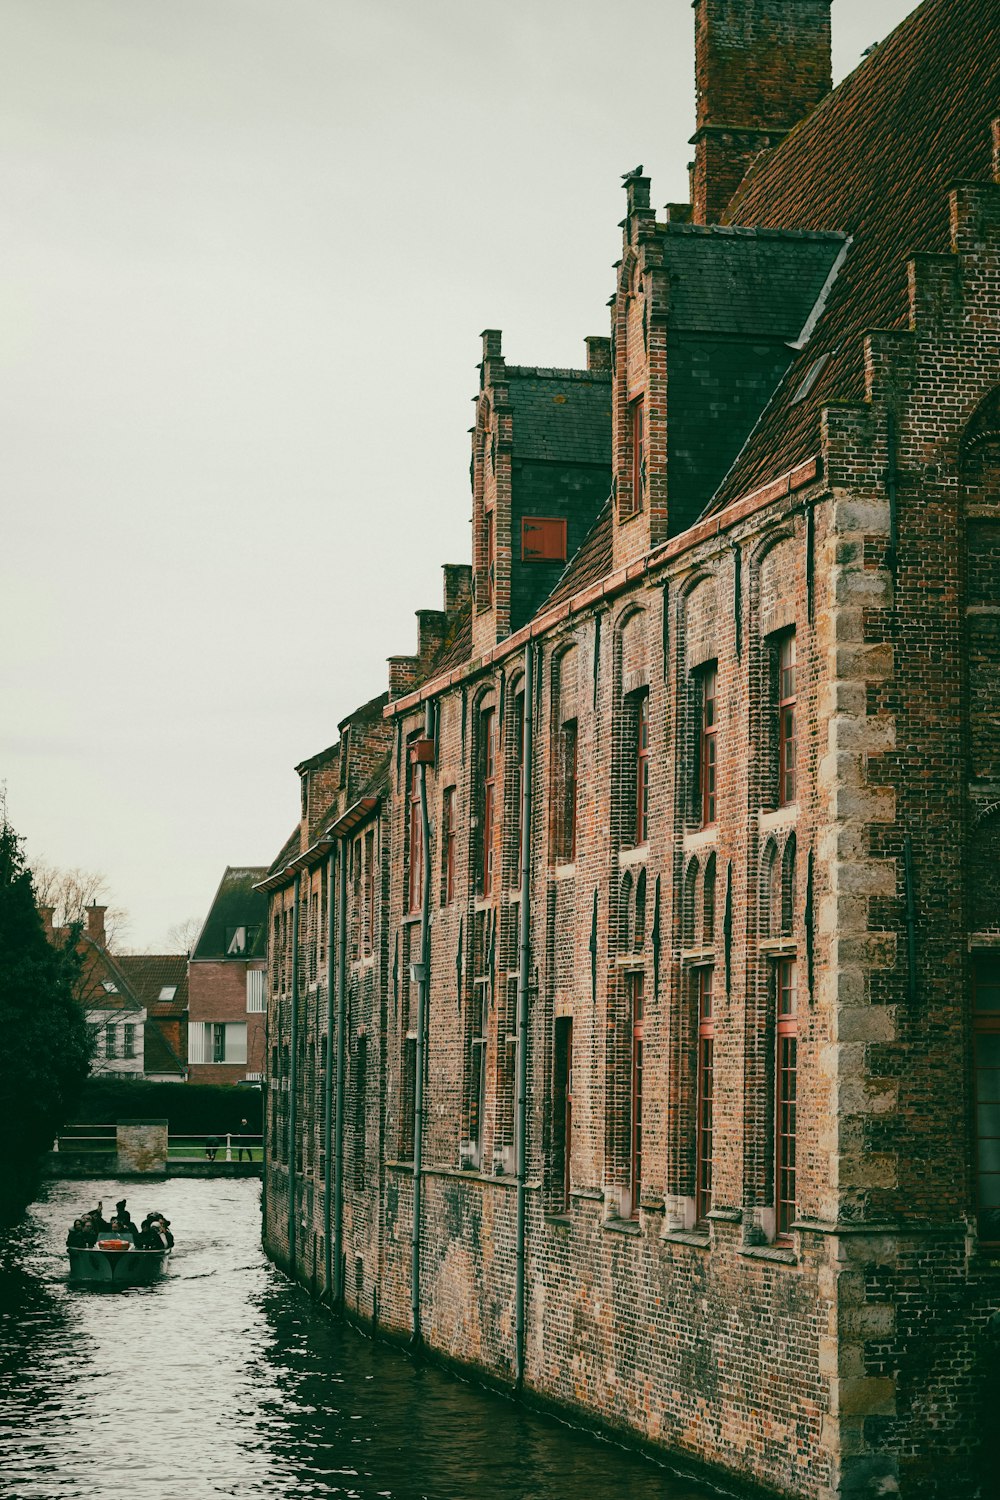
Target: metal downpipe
(338, 1146)
(423, 981)
(293, 1079)
(328, 1081)
(523, 982)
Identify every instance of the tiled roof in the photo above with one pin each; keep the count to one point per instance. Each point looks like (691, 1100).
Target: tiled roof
(591, 562)
(150, 973)
(875, 160)
(289, 849)
(561, 415)
(457, 651)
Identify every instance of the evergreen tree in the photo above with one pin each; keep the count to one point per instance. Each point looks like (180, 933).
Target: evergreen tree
(45, 1045)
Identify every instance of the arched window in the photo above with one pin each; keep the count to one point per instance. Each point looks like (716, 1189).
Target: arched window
(770, 887)
(624, 935)
(787, 915)
(639, 928)
(688, 908)
(708, 903)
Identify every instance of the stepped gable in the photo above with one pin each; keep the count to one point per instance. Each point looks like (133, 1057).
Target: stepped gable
(875, 160)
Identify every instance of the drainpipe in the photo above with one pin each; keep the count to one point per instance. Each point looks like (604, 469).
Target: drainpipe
(338, 1145)
(523, 980)
(422, 975)
(293, 1080)
(328, 1080)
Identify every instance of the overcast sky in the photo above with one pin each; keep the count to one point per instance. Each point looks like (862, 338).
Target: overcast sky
(247, 250)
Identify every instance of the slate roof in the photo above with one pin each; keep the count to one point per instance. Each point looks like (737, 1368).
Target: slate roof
(560, 415)
(236, 904)
(591, 562)
(875, 160)
(745, 282)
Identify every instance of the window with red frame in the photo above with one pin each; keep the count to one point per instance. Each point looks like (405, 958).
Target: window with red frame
(786, 719)
(565, 800)
(638, 437)
(448, 846)
(517, 784)
(785, 1091)
(642, 769)
(636, 1001)
(986, 1083)
(415, 884)
(706, 1091)
(369, 893)
(356, 899)
(708, 754)
(487, 796)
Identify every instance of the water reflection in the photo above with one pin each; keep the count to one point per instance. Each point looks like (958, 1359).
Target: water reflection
(222, 1379)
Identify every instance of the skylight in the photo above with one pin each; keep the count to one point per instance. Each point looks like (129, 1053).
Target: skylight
(110, 986)
(168, 992)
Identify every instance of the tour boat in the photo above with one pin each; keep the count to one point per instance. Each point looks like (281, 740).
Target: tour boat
(116, 1262)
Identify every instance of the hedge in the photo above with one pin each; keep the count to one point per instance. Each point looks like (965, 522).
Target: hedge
(191, 1109)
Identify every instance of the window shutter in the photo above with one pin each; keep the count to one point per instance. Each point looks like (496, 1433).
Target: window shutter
(543, 539)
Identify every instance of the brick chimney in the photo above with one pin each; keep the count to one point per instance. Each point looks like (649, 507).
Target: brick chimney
(95, 924)
(47, 913)
(760, 67)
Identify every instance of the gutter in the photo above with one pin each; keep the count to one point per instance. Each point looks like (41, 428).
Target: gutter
(421, 972)
(349, 820)
(293, 1078)
(338, 1148)
(523, 982)
(328, 1079)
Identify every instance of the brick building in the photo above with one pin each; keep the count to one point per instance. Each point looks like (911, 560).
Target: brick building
(117, 1018)
(635, 968)
(159, 982)
(226, 977)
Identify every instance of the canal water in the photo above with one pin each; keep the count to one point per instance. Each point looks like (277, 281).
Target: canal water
(224, 1379)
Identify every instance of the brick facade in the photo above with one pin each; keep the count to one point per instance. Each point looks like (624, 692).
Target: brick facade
(763, 913)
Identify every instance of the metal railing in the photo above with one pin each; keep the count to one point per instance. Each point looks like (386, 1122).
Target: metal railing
(103, 1139)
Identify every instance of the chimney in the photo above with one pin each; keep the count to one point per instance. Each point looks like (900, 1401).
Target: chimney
(95, 924)
(760, 67)
(598, 352)
(47, 913)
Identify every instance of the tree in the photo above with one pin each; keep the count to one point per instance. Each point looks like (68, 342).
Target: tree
(182, 936)
(45, 1047)
(69, 892)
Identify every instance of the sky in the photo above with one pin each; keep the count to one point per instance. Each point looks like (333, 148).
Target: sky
(248, 248)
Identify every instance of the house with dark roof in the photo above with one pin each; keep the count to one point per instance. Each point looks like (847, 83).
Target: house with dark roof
(159, 982)
(225, 984)
(116, 1015)
(633, 1014)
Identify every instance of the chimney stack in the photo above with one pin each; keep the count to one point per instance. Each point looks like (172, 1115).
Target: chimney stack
(95, 924)
(761, 66)
(47, 913)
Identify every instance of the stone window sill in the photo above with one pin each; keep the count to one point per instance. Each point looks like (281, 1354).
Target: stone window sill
(694, 1237)
(623, 1226)
(637, 855)
(559, 1221)
(563, 872)
(776, 819)
(776, 1253)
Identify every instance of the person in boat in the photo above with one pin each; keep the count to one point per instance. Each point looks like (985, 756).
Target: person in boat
(164, 1227)
(97, 1219)
(125, 1220)
(150, 1238)
(80, 1237)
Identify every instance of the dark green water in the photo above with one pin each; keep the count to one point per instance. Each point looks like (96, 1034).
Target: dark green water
(223, 1379)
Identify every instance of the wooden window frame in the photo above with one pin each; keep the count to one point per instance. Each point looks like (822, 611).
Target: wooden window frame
(785, 1097)
(415, 846)
(565, 808)
(490, 551)
(369, 893)
(702, 985)
(642, 768)
(635, 983)
(517, 785)
(787, 727)
(708, 747)
(487, 797)
(448, 835)
(637, 442)
(478, 1038)
(562, 1073)
(985, 1024)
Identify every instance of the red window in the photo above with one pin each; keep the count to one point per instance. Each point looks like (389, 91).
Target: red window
(786, 1064)
(543, 539)
(488, 752)
(706, 1091)
(708, 757)
(415, 889)
(356, 897)
(636, 1002)
(477, 1065)
(637, 425)
(642, 770)
(986, 1076)
(369, 892)
(786, 720)
(517, 783)
(565, 841)
(448, 846)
